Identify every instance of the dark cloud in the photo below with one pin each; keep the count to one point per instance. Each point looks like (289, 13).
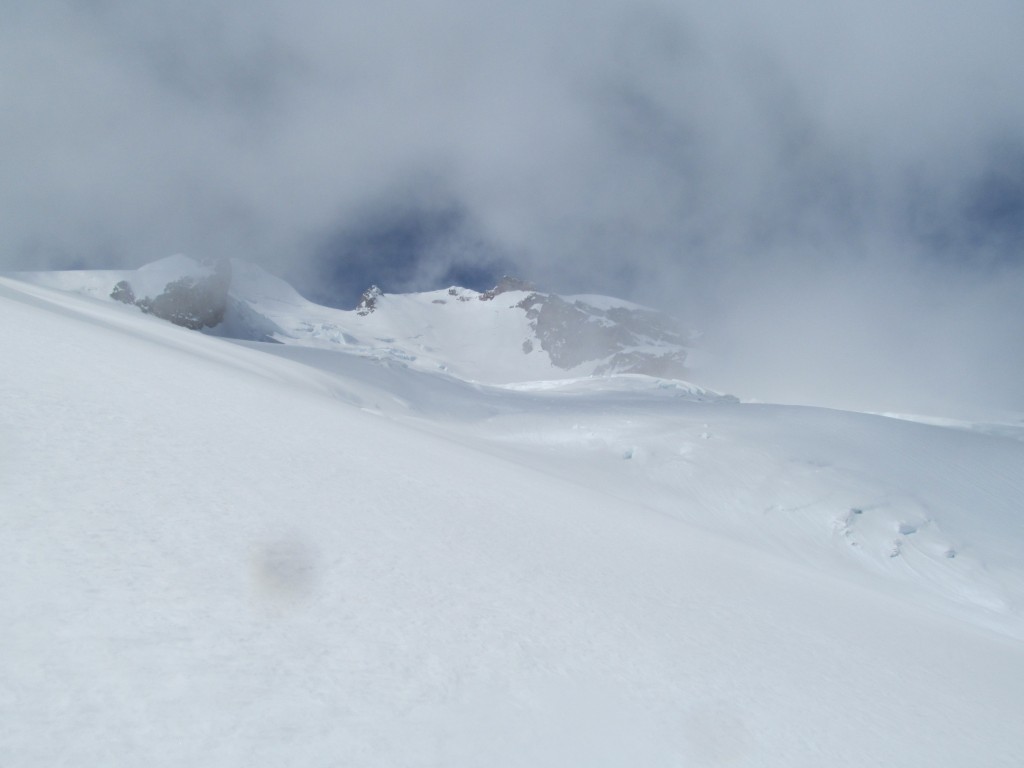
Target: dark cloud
(402, 243)
(833, 192)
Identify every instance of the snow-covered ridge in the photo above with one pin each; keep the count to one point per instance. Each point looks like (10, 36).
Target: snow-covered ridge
(509, 334)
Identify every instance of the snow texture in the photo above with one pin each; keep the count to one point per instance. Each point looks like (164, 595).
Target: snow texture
(324, 553)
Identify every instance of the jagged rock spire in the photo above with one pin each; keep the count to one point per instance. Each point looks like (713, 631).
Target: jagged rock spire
(368, 301)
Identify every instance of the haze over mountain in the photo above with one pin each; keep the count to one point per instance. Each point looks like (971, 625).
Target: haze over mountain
(244, 521)
(396, 536)
(828, 191)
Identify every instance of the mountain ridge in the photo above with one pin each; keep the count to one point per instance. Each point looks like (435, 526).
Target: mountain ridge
(510, 333)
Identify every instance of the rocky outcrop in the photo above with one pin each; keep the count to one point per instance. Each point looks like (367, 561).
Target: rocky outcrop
(368, 301)
(624, 340)
(123, 292)
(505, 285)
(191, 302)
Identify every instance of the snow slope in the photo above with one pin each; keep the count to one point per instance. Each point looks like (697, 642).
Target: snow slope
(241, 553)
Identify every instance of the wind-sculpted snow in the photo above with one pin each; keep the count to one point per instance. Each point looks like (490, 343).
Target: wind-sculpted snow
(318, 553)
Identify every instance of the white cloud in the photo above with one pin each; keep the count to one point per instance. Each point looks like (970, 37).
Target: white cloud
(711, 159)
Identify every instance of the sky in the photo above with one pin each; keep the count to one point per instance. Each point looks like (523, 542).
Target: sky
(832, 193)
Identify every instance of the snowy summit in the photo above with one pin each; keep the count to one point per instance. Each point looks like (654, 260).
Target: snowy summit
(509, 333)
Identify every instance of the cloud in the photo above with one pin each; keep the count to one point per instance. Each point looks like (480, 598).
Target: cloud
(793, 178)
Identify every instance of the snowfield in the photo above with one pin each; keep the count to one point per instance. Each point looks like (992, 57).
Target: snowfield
(323, 553)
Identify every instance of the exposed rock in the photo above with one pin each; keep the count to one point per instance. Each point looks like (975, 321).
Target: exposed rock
(368, 301)
(123, 292)
(576, 333)
(505, 285)
(192, 302)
